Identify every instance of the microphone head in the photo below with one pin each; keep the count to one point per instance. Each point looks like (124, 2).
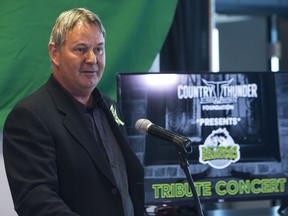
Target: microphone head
(142, 125)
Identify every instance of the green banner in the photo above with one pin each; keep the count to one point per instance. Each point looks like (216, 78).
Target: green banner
(136, 30)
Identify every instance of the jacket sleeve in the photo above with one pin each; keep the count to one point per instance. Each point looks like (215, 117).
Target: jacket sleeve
(29, 157)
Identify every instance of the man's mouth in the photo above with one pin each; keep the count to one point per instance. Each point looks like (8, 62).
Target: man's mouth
(89, 71)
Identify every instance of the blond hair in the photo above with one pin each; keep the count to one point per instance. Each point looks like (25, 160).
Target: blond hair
(67, 20)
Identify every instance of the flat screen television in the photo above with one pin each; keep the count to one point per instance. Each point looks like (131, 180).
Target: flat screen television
(198, 104)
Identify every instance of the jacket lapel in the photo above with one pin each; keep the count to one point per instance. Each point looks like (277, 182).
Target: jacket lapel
(74, 123)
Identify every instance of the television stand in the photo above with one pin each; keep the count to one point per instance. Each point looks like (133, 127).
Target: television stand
(283, 206)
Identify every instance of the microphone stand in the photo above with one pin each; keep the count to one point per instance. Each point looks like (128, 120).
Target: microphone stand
(184, 149)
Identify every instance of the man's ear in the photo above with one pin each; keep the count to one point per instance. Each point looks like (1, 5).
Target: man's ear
(54, 53)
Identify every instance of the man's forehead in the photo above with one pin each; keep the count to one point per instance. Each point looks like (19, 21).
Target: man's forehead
(86, 31)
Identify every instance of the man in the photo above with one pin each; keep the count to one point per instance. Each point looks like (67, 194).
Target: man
(65, 148)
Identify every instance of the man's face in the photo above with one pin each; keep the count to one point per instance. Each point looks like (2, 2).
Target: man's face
(80, 63)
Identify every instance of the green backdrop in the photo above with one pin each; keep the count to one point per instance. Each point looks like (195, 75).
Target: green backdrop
(136, 30)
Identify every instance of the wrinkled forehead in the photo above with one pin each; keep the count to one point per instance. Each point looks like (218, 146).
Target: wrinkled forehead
(86, 33)
(81, 25)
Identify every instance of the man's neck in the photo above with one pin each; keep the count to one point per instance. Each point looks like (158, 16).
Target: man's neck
(87, 100)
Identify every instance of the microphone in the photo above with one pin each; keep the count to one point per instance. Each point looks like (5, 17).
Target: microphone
(183, 144)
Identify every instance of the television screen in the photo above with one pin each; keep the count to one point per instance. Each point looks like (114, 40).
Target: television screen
(237, 124)
(215, 108)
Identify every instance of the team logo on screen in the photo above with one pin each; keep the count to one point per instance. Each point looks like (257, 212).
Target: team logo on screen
(219, 150)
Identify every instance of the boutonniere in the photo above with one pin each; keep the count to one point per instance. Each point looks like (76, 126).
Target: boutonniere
(115, 115)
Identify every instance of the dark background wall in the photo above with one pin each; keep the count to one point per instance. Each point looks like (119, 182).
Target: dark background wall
(244, 43)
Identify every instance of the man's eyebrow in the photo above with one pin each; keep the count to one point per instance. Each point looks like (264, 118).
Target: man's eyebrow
(85, 44)
(101, 44)
(81, 44)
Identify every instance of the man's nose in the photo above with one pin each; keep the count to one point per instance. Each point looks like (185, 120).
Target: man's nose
(91, 57)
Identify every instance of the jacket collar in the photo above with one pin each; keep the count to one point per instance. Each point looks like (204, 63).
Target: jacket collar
(74, 123)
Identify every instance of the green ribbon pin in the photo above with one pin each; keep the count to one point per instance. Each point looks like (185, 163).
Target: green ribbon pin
(115, 116)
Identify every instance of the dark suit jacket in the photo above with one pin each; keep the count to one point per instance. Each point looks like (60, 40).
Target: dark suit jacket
(52, 165)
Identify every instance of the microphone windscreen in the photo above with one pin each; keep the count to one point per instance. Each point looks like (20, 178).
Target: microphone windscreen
(142, 125)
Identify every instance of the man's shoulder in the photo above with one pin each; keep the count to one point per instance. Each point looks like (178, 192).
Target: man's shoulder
(42, 96)
(38, 95)
(41, 99)
(106, 98)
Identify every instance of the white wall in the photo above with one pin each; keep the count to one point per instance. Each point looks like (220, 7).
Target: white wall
(6, 204)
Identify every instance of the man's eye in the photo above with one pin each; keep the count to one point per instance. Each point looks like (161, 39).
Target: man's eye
(99, 51)
(80, 49)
